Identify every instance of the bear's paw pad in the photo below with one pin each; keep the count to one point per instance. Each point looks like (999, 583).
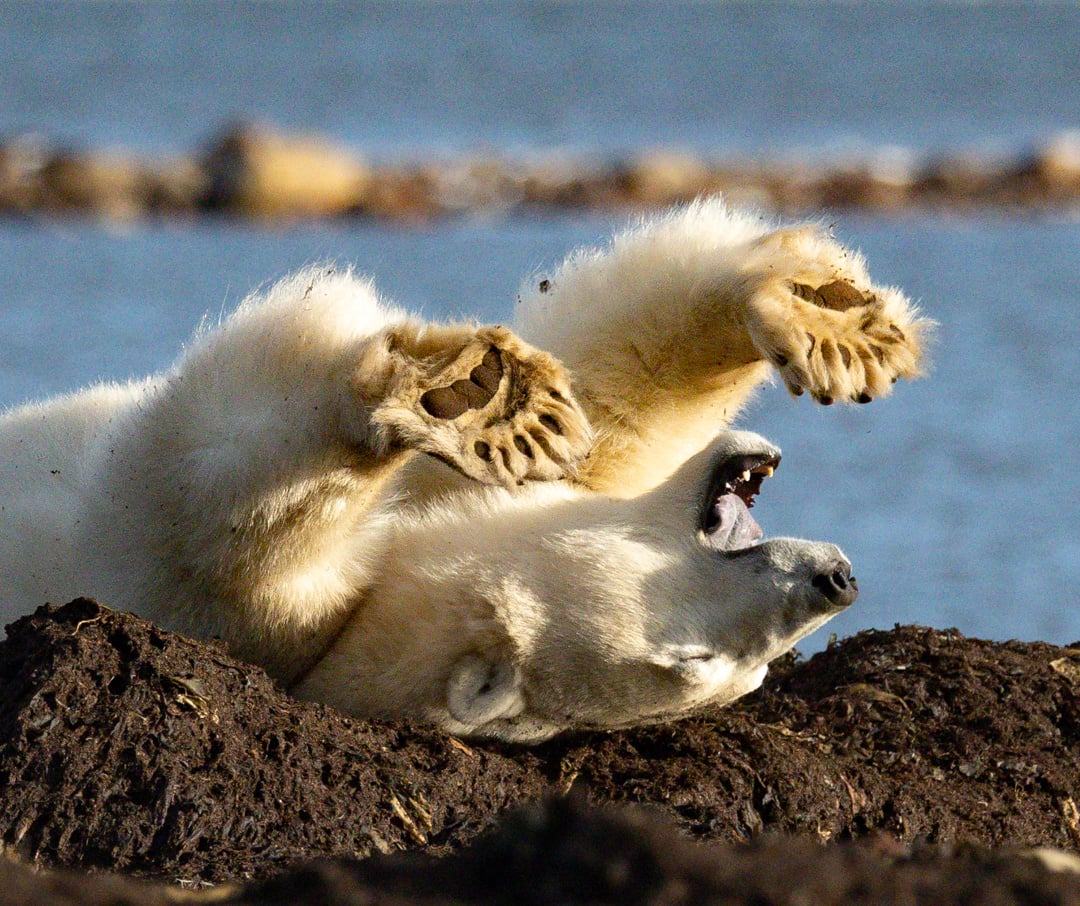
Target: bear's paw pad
(474, 392)
(513, 416)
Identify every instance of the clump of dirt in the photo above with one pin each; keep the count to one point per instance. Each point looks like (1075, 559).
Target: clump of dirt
(132, 749)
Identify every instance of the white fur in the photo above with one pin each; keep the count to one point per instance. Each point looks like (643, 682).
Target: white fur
(262, 489)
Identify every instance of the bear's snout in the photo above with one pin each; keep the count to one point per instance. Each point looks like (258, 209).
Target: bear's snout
(837, 584)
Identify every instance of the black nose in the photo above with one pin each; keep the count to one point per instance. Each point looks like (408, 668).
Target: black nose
(837, 584)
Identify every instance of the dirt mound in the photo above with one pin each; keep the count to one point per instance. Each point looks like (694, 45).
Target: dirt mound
(128, 748)
(566, 852)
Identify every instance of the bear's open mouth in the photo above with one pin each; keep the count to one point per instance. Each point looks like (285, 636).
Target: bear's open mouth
(726, 521)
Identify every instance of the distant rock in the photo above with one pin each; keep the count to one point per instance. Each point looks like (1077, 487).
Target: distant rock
(1058, 163)
(262, 173)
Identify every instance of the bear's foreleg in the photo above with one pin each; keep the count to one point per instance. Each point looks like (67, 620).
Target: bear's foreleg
(669, 330)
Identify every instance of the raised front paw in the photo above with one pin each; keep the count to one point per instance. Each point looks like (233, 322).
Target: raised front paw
(499, 410)
(837, 340)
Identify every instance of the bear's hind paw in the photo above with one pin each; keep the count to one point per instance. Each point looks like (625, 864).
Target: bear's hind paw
(501, 412)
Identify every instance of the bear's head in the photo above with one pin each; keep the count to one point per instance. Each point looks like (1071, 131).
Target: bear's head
(520, 616)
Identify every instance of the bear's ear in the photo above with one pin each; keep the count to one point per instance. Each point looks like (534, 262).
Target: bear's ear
(482, 689)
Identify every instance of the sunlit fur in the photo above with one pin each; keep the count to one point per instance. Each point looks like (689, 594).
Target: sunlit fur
(266, 489)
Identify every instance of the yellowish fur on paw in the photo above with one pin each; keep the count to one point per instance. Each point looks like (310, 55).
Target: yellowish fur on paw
(836, 340)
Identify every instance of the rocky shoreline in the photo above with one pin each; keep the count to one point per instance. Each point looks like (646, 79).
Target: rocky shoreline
(893, 764)
(257, 172)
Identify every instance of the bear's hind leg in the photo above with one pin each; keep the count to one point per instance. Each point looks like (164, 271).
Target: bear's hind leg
(483, 401)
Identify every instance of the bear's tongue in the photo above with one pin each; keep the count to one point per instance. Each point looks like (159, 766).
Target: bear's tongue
(735, 527)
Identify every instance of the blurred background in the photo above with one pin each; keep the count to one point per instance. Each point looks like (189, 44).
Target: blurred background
(153, 159)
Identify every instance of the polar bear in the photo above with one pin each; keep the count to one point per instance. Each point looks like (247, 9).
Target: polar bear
(508, 534)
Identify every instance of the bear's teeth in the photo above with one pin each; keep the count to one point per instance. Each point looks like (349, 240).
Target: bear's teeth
(745, 475)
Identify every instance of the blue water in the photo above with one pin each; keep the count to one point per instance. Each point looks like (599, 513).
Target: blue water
(956, 499)
(760, 77)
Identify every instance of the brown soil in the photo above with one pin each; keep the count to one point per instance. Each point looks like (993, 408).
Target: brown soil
(564, 852)
(130, 749)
